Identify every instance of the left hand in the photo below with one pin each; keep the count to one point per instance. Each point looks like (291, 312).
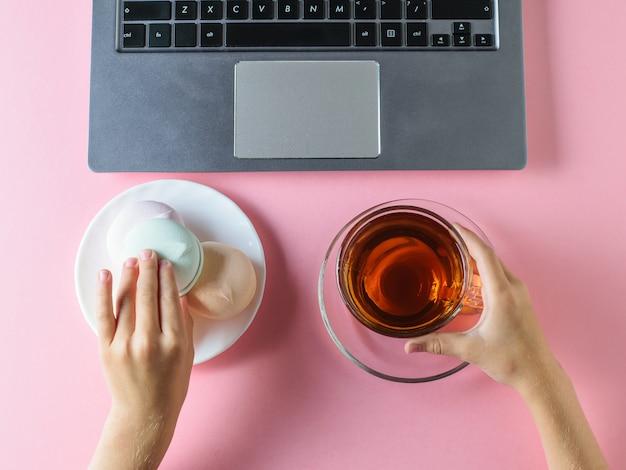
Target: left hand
(146, 347)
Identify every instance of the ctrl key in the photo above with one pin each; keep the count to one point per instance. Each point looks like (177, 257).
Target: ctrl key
(134, 35)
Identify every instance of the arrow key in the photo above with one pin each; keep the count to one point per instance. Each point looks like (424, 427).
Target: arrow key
(462, 27)
(462, 40)
(483, 40)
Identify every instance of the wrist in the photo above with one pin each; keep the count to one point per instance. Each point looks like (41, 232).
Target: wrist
(567, 438)
(133, 439)
(545, 380)
(144, 414)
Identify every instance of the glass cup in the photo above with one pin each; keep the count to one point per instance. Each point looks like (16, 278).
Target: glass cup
(403, 269)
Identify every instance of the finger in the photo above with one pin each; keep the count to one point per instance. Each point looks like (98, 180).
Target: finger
(447, 344)
(188, 324)
(105, 316)
(125, 302)
(169, 300)
(512, 278)
(187, 318)
(148, 293)
(490, 268)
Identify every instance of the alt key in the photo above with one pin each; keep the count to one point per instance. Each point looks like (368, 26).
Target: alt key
(365, 34)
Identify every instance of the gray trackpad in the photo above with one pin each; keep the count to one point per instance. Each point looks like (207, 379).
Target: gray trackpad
(300, 109)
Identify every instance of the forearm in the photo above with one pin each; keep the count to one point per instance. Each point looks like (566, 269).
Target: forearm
(131, 443)
(567, 439)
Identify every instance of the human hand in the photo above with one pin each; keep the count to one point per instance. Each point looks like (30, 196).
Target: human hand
(507, 342)
(146, 347)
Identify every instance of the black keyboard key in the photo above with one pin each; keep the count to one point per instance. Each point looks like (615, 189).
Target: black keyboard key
(416, 9)
(339, 10)
(288, 9)
(141, 11)
(185, 35)
(417, 34)
(211, 35)
(287, 34)
(462, 27)
(186, 10)
(365, 34)
(391, 9)
(314, 10)
(462, 40)
(483, 40)
(159, 35)
(237, 9)
(365, 9)
(212, 10)
(262, 9)
(441, 40)
(134, 35)
(391, 34)
(462, 9)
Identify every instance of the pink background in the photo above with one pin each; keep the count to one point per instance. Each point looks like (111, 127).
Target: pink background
(284, 397)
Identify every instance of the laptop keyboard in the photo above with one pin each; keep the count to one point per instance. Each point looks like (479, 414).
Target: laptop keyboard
(221, 25)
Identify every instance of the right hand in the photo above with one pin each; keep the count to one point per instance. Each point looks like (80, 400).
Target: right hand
(507, 342)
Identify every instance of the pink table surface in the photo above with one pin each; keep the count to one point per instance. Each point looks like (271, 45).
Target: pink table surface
(283, 397)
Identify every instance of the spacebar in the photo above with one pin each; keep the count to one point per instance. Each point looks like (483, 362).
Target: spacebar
(287, 34)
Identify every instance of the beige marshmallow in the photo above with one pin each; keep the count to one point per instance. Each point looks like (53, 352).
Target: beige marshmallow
(226, 285)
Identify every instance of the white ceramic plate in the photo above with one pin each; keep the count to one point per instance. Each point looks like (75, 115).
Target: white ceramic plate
(207, 213)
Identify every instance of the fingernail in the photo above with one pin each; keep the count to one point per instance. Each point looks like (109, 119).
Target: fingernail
(145, 254)
(163, 263)
(104, 275)
(131, 262)
(415, 348)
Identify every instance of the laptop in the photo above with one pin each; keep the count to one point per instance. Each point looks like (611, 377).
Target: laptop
(294, 85)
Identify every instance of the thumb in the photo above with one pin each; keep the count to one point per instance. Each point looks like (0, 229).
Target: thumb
(447, 344)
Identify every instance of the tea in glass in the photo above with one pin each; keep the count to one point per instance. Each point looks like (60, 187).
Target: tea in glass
(403, 271)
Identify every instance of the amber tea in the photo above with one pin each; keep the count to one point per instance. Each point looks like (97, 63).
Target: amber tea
(402, 272)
